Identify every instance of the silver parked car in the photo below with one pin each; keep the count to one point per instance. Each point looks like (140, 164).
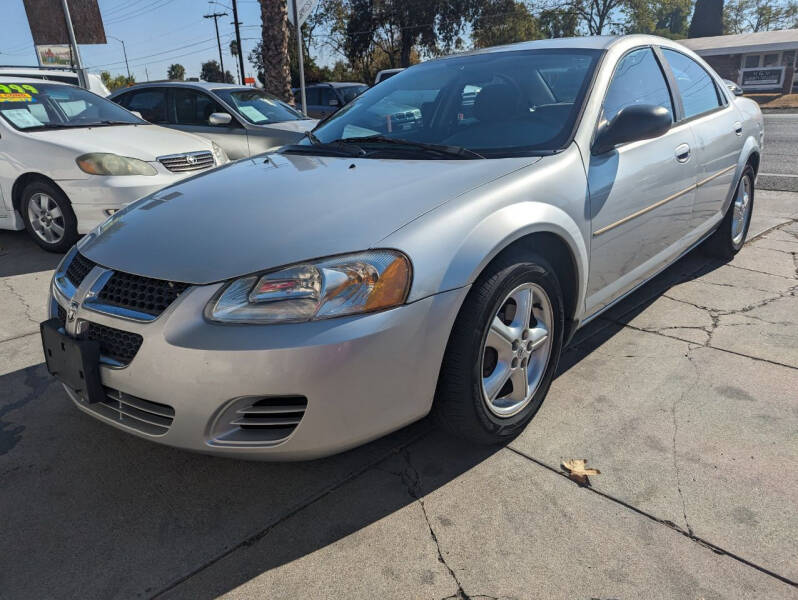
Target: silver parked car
(302, 303)
(244, 121)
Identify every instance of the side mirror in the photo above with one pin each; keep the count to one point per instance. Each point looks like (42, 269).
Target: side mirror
(220, 119)
(334, 102)
(632, 123)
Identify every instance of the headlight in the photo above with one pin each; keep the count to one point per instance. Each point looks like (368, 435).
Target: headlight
(100, 163)
(334, 287)
(219, 154)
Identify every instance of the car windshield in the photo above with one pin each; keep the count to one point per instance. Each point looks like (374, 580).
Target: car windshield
(260, 108)
(496, 104)
(50, 106)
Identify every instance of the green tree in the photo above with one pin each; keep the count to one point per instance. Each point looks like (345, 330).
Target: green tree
(176, 72)
(211, 71)
(740, 16)
(558, 22)
(114, 83)
(503, 22)
(707, 19)
(667, 18)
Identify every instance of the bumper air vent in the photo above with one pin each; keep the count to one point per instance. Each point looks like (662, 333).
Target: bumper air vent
(258, 421)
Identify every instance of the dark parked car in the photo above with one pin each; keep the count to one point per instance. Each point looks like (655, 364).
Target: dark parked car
(326, 98)
(244, 121)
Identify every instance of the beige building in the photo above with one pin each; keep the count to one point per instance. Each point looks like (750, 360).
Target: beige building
(758, 62)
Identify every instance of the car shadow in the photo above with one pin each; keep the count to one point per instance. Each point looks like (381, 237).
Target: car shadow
(19, 255)
(94, 512)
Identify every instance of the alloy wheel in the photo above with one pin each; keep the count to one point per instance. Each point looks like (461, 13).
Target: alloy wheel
(46, 218)
(741, 210)
(517, 349)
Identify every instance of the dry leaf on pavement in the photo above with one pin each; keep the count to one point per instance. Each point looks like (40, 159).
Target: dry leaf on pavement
(577, 470)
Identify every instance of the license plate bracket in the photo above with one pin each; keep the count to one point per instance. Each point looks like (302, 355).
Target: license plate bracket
(74, 362)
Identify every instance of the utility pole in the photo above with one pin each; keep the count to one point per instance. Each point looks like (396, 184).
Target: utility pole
(238, 43)
(124, 51)
(215, 17)
(73, 42)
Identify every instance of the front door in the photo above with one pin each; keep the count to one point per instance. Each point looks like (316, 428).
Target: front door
(193, 108)
(641, 193)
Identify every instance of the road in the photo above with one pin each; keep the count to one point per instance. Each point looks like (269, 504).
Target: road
(779, 168)
(684, 396)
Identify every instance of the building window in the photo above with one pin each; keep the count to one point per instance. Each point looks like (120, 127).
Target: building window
(770, 60)
(788, 58)
(751, 61)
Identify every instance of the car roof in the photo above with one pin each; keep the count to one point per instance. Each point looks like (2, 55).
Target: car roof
(336, 84)
(23, 79)
(202, 85)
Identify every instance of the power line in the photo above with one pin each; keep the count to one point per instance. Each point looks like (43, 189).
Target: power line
(205, 41)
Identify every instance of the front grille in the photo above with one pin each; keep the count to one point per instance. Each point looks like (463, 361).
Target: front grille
(139, 414)
(192, 161)
(141, 294)
(264, 421)
(78, 268)
(115, 344)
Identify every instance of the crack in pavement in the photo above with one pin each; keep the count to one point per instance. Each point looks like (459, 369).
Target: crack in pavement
(302, 505)
(21, 298)
(670, 524)
(677, 401)
(412, 480)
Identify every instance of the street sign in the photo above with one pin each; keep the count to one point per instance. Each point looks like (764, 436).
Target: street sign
(303, 10)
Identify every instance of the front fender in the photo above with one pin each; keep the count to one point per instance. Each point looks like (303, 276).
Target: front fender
(452, 245)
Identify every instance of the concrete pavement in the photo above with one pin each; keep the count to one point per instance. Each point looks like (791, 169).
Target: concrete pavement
(685, 396)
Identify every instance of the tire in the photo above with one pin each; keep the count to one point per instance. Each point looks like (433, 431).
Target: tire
(471, 366)
(728, 240)
(48, 216)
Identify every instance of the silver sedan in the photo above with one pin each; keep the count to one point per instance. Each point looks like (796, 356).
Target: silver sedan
(298, 304)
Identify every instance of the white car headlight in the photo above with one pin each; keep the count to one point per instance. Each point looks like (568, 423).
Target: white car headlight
(219, 155)
(333, 287)
(101, 163)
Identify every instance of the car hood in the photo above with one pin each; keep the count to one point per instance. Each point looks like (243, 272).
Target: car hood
(145, 142)
(258, 214)
(300, 126)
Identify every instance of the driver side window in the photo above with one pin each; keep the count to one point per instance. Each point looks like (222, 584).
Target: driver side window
(638, 79)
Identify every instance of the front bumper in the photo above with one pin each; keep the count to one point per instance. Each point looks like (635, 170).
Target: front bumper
(363, 376)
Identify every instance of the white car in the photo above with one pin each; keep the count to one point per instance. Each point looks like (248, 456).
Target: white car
(63, 75)
(69, 159)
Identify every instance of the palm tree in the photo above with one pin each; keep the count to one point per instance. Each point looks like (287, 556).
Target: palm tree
(276, 70)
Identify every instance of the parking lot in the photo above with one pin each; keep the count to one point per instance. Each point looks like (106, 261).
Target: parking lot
(684, 396)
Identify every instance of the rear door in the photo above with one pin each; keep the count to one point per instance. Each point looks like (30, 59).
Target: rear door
(192, 110)
(151, 103)
(641, 193)
(718, 134)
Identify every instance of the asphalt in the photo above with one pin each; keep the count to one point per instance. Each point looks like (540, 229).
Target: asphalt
(684, 396)
(779, 168)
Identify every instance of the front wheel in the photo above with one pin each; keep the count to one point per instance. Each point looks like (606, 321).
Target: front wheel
(502, 352)
(730, 235)
(48, 216)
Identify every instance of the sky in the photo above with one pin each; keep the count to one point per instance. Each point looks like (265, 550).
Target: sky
(156, 33)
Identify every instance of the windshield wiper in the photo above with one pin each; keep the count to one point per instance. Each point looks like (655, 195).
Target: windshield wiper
(336, 148)
(457, 151)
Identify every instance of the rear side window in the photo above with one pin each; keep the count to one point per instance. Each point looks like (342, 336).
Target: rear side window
(149, 103)
(311, 96)
(697, 88)
(638, 79)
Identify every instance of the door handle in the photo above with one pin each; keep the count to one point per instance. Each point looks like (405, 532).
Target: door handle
(682, 153)
(738, 128)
